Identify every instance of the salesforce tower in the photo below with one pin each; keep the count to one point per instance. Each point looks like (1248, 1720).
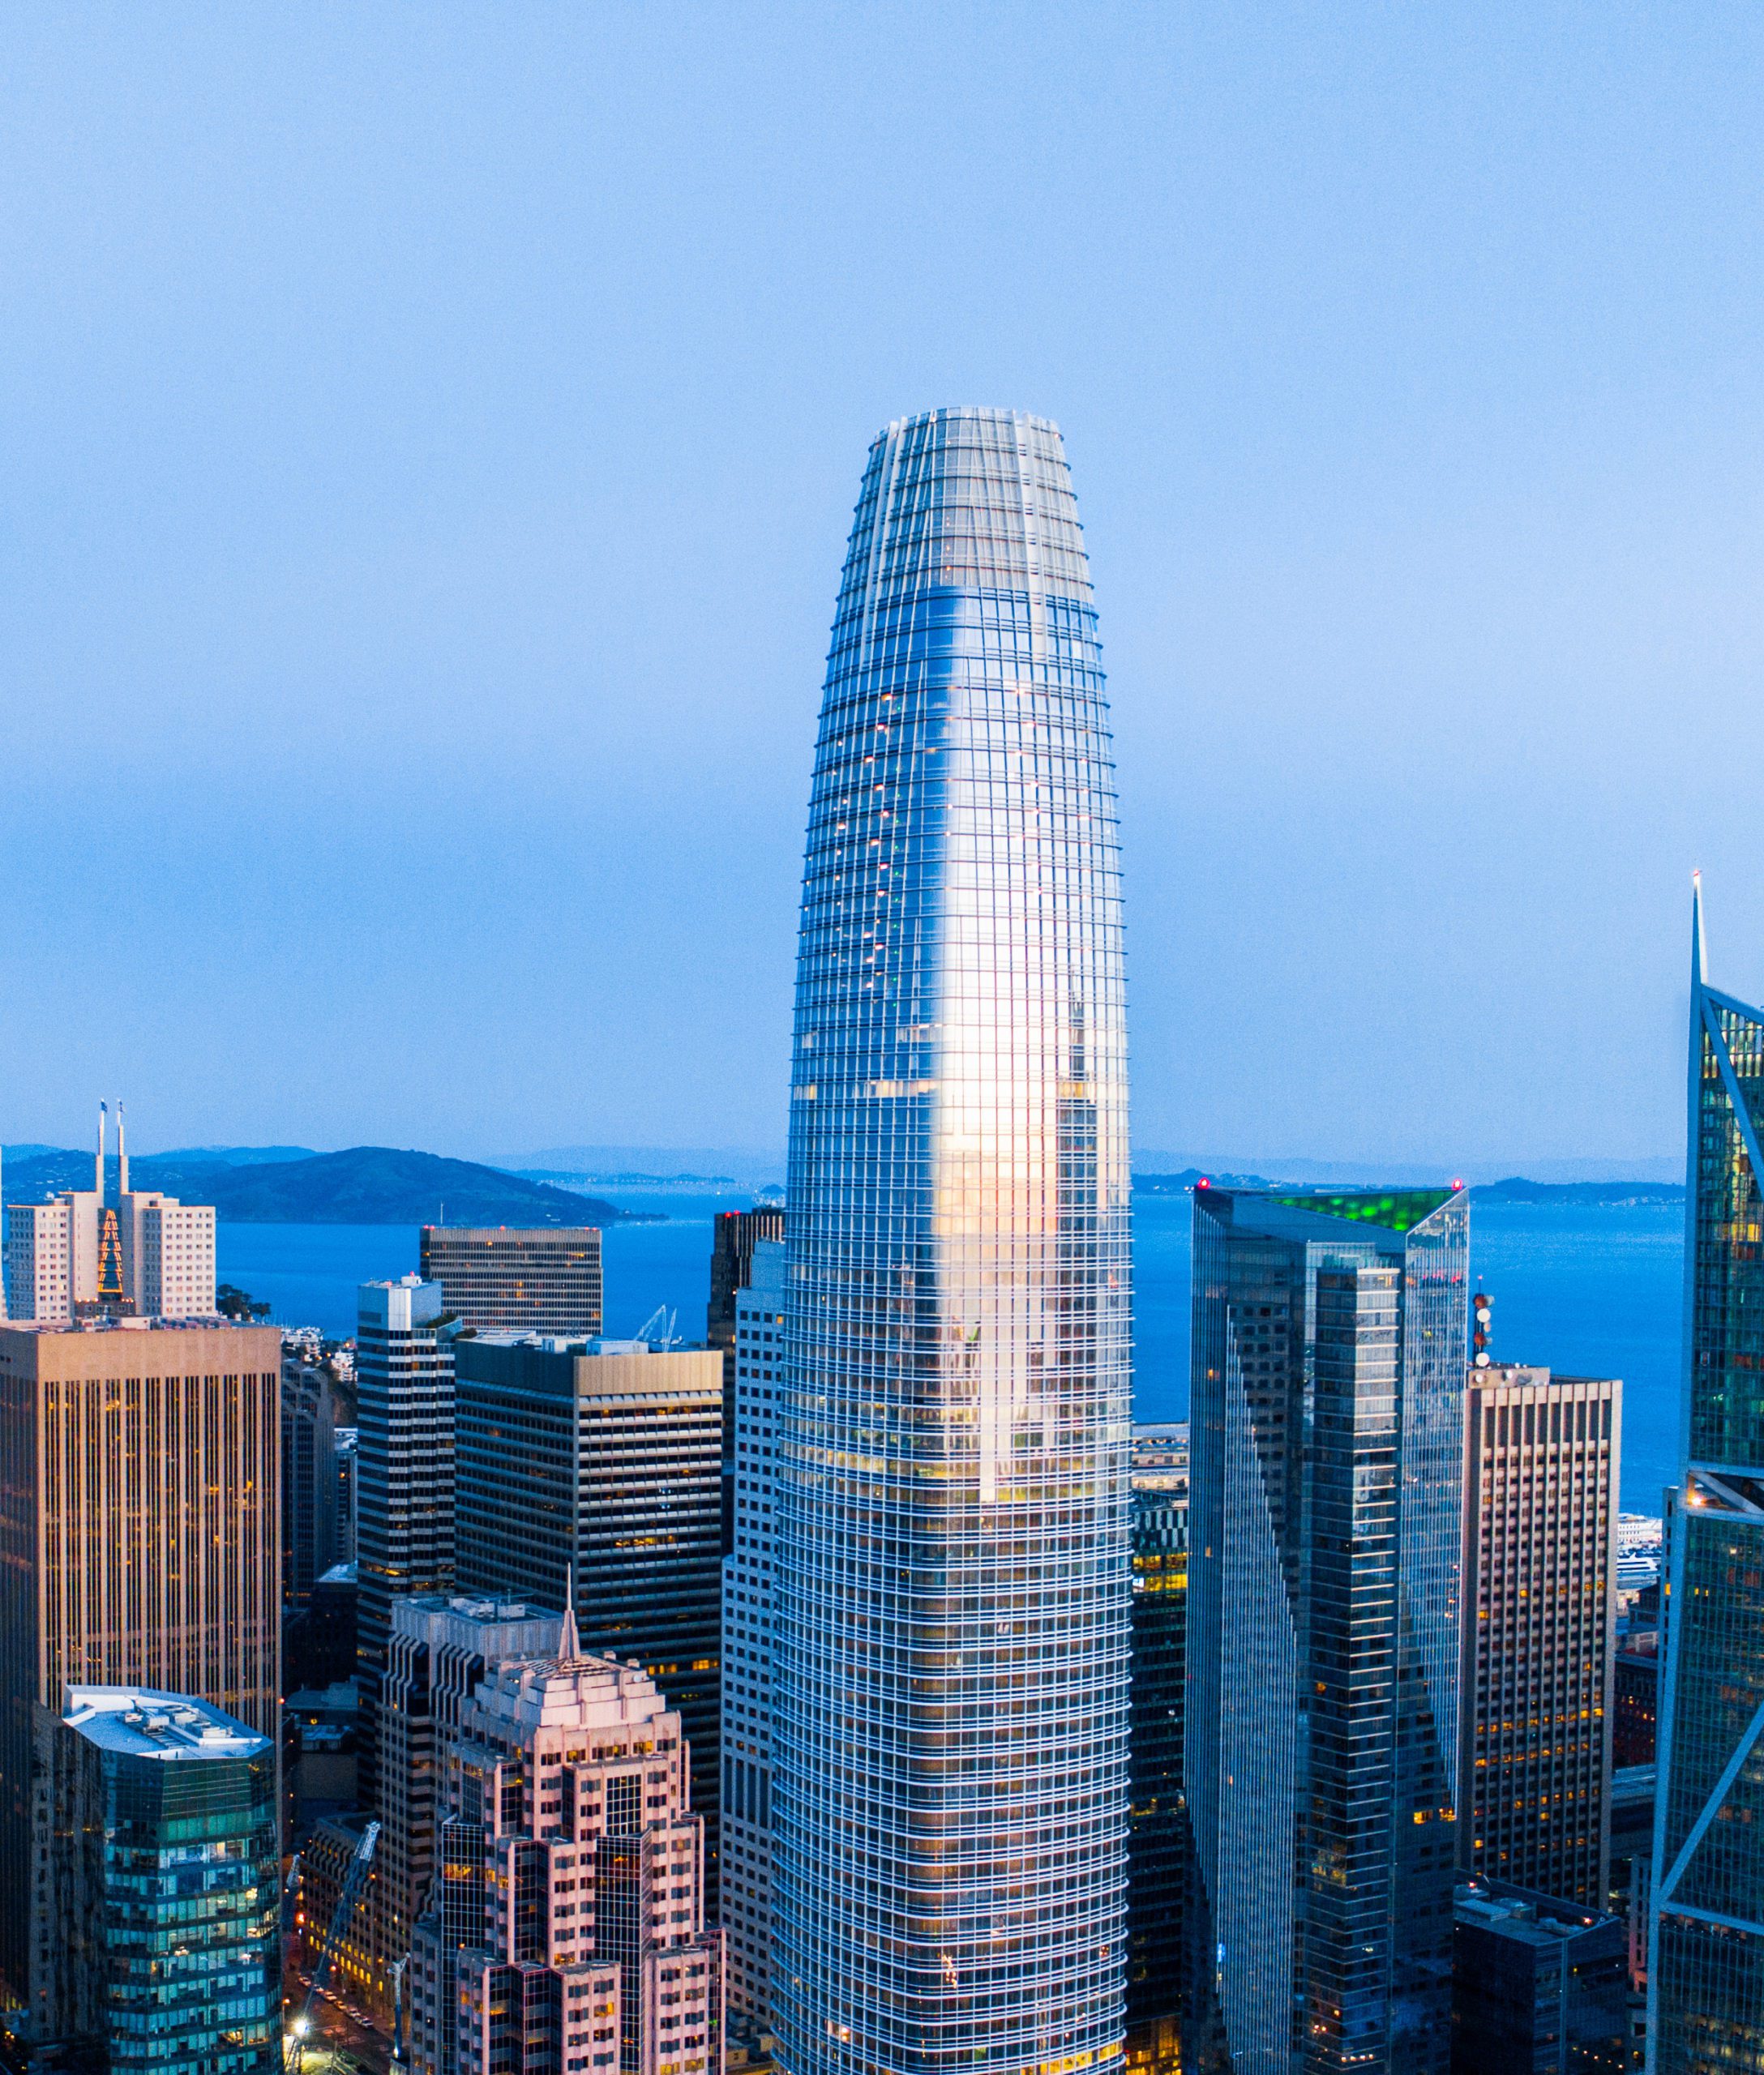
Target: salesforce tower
(950, 1535)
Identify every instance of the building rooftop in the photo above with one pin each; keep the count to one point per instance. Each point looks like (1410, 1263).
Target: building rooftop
(143, 1722)
(574, 1689)
(204, 1322)
(1536, 1920)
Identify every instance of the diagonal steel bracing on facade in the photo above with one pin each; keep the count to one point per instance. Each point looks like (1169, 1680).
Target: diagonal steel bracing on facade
(1711, 1808)
(1707, 1919)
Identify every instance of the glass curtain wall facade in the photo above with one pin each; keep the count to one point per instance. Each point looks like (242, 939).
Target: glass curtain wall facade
(951, 1531)
(1706, 1974)
(1320, 1739)
(159, 1888)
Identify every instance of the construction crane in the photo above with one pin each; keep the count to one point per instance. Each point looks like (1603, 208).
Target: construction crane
(661, 1329)
(354, 1882)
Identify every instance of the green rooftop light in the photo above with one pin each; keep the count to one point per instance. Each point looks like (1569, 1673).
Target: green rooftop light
(1397, 1210)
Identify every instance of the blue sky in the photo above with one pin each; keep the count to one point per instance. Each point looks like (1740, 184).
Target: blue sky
(431, 433)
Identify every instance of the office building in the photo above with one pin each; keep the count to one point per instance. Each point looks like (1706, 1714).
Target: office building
(952, 1594)
(605, 1456)
(734, 1236)
(1538, 1987)
(356, 1940)
(1321, 1745)
(1160, 1849)
(1159, 1457)
(1541, 1478)
(309, 1473)
(157, 1930)
(505, 1279)
(441, 1645)
(1636, 1696)
(1631, 1799)
(568, 1926)
(1706, 1973)
(745, 1854)
(140, 1254)
(140, 1542)
(403, 1493)
(347, 1441)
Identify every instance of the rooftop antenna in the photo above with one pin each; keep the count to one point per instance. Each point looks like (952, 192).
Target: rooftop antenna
(1483, 1311)
(122, 1157)
(104, 1109)
(569, 1642)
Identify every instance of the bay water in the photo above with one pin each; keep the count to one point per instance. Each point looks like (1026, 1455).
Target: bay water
(1590, 1290)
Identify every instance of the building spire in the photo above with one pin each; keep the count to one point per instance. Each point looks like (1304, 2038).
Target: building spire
(569, 1642)
(104, 1109)
(1699, 950)
(122, 1158)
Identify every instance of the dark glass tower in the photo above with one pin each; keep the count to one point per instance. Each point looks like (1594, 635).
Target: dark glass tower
(1706, 1974)
(1160, 1853)
(1331, 1334)
(951, 1624)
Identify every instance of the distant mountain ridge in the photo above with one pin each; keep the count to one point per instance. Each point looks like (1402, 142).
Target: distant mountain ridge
(364, 1185)
(1517, 1188)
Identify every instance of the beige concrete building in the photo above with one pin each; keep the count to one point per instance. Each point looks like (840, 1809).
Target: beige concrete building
(1541, 1467)
(139, 1541)
(148, 1256)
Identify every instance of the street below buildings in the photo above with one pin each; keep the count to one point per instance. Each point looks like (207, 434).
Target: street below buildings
(340, 2040)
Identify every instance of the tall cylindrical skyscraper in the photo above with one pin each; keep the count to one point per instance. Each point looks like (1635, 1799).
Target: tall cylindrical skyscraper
(951, 1536)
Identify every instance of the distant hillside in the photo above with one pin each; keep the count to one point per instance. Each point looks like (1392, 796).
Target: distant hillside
(1517, 1189)
(1178, 1185)
(366, 1185)
(237, 1156)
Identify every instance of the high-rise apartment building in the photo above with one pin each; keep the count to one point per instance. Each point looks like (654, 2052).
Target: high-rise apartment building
(951, 1582)
(140, 1541)
(1707, 1968)
(1160, 1849)
(568, 1926)
(158, 1928)
(504, 1279)
(404, 1490)
(1541, 1484)
(745, 1857)
(142, 1255)
(1329, 1343)
(594, 1468)
(440, 1647)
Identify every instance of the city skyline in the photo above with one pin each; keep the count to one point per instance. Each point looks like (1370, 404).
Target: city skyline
(433, 432)
(360, 363)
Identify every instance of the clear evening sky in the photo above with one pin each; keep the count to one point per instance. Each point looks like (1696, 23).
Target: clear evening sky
(430, 436)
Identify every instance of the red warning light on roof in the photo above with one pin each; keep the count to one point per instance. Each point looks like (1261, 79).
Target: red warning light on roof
(1203, 1184)
(1456, 1182)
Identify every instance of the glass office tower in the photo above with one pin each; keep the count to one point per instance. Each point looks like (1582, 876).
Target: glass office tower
(951, 1546)
(1707, 1975)
(156, 1910)
(1320, 1744)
